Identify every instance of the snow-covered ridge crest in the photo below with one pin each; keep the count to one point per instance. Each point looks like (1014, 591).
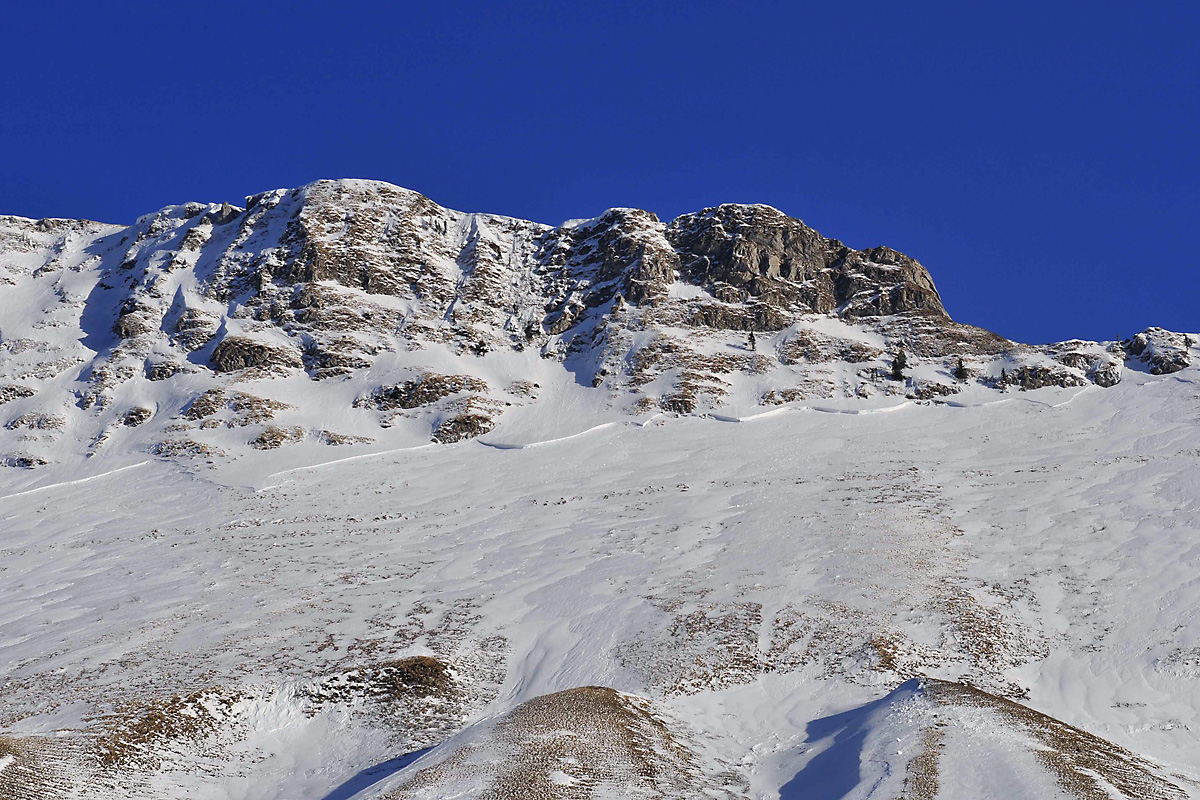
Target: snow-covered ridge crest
(362, 314)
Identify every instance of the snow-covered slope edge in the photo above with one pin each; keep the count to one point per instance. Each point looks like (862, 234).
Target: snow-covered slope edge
(363, 316)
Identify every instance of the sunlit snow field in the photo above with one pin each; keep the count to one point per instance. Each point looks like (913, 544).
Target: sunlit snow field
(1043, 546)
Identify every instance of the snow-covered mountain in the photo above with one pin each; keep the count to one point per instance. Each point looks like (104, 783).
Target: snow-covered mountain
(344, 494)
(332, 312)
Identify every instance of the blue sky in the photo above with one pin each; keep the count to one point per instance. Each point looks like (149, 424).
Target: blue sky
(1041, 159)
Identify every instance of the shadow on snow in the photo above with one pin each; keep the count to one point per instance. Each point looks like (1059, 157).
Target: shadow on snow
(372, 775)
(835, 771)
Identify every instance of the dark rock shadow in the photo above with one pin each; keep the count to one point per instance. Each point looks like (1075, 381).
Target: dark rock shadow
(103, 303)
(585, 363)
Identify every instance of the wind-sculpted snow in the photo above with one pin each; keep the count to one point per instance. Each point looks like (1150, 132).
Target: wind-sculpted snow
(344, 495)
(184, 744)
(745, 581)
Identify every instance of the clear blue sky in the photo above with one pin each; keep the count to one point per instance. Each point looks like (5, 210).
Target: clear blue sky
(1040, 158)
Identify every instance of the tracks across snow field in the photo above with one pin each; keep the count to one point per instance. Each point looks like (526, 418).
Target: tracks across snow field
(744, 581)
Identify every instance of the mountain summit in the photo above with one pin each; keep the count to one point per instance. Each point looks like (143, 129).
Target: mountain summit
(203, 318)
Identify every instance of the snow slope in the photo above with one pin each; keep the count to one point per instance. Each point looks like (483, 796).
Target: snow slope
(812, 582)
(363, 316)
(751, 580)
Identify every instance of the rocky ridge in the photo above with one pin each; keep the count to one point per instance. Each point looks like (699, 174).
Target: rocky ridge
(373, 288)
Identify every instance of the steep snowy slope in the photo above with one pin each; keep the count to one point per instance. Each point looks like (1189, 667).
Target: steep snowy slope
(428, 504)
(361, 315)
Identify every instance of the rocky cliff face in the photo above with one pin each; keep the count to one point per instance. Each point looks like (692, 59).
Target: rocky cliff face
(743, 252)
(338, 261)
(354, 280)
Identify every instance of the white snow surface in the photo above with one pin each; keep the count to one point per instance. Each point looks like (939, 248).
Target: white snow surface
(1070, 517)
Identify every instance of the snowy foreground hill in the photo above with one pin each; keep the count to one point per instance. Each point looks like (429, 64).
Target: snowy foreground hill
(346, 495)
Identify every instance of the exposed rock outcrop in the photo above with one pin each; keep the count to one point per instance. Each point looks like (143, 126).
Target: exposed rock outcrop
(275, 436)
(466, 425)
(239, 352)
(1162, 351)
(813, 347)
(137, 416)
(13, 392)
(1037, 376)
(429, 388)
(757, 251)
(243, 409)
(37, 422)
(23, 461)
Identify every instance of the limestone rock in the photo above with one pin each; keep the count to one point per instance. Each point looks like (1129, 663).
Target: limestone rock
(23, 461)
(162, 370)
(1036, 376)
(9, 392)
(37, 422)
(195, 328)
(1162, 351)
(1101, 369)
(764, 253)
(134, 320)
(240, 352)
(813, 347)
(348, 279)
(274, 436)
(334, 439)
(136, 416)
(427, 389)
(464, 426)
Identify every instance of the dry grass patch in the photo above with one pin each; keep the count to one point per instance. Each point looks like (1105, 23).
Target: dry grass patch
(580, 743)
(1081, 762)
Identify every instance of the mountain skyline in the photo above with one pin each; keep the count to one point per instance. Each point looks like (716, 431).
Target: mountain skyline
(1049, 164)
(345, 494)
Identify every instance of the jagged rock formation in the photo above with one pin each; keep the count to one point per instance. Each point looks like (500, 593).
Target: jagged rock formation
(1162, 351)
(742, 252)
(333, 279)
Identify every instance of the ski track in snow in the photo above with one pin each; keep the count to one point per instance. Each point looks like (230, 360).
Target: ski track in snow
(346, 460)
(527, 445)
(75, 482)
